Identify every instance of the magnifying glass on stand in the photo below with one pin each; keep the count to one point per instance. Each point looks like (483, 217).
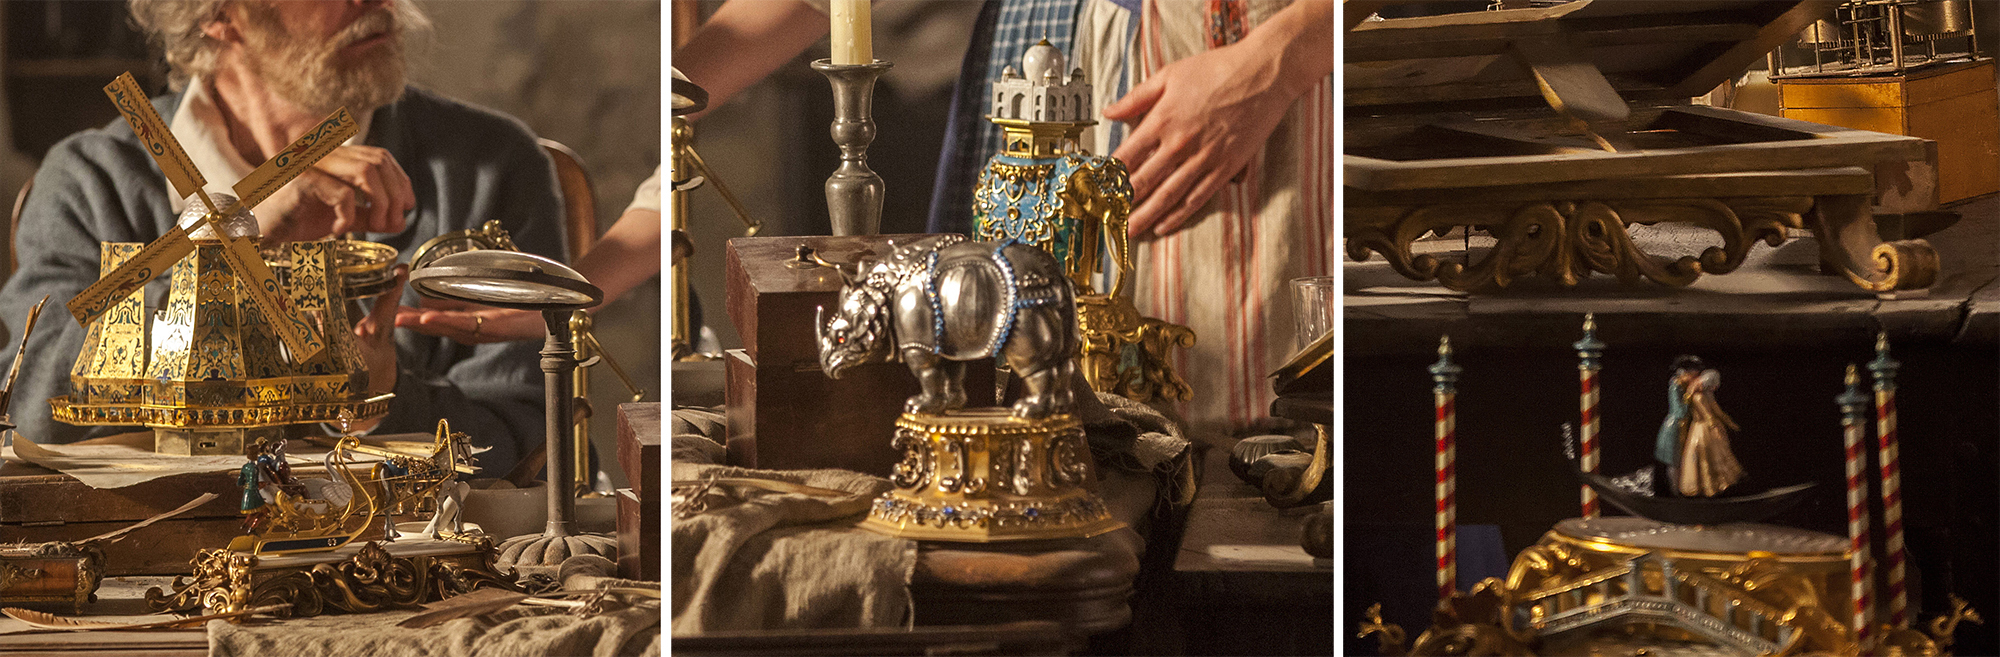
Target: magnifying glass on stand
(524, 281)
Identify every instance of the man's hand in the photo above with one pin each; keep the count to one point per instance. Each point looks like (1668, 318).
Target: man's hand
(473, 326)
(1199, 121)
(376, 336)
(352, 189)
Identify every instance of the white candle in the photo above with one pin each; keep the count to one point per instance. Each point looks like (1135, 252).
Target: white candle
(851, 41)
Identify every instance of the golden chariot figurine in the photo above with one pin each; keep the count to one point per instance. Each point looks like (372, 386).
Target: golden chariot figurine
(301, 550)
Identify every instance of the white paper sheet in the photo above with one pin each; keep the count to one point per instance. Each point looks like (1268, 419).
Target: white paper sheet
(127, 459)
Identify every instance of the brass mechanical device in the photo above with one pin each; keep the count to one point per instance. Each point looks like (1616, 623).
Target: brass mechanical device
(688, 172)
(248, 340)
(1880, 37)
(588, 351)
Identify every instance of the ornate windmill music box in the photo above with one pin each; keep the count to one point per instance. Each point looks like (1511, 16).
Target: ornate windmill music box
(1042, 189)
(249, 340)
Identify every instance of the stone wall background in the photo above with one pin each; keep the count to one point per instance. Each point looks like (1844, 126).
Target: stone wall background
(585, 73)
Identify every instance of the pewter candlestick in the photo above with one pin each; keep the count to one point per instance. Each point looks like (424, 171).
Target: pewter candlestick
(853, 192)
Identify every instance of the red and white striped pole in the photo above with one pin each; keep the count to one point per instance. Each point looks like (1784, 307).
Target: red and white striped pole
(1445, 399)
(1893, 553)
(1853, 406)
(1587, 351)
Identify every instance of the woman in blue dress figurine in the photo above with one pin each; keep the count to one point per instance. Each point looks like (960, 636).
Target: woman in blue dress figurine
(1693, 441)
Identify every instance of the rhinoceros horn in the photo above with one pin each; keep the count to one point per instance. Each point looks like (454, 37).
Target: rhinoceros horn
(819, 337)
(819, 324)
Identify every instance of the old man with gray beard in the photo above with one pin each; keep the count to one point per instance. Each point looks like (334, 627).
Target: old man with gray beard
(250, 77)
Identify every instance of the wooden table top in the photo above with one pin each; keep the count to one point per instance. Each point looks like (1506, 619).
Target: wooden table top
(1236, 544)
(119, 599)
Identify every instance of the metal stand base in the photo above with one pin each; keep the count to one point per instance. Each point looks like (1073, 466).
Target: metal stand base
(550, 550)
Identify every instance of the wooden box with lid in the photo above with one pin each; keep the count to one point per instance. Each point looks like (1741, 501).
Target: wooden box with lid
(1952, 104)
(783, 412)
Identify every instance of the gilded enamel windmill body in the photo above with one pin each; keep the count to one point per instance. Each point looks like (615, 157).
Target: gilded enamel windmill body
(240, 346)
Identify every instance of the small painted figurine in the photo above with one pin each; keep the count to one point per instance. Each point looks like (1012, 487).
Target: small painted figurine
(252, 506)
(1693, 442)
(262, 477)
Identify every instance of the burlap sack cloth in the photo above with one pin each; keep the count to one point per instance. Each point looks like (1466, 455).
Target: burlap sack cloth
(522, 630)
(755, 559)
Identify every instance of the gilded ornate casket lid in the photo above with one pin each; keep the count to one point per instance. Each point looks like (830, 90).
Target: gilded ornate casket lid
(1741, 538)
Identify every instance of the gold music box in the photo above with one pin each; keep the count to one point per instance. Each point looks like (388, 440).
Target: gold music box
(248, 340)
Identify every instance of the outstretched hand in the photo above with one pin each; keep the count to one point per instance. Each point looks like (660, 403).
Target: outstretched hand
(375, 335)
(473, 326)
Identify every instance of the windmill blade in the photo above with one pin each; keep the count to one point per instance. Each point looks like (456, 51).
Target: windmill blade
(162, 253)
(127, 278)
(138, 112)
(258, 282)
(296, 158)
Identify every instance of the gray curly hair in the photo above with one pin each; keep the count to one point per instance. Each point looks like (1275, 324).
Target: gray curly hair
(175, 27)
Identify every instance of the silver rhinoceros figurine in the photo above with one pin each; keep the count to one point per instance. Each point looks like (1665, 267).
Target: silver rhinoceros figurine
(940, 301)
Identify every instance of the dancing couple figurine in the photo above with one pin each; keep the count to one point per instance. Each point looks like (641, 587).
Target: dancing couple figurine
(1693, 442)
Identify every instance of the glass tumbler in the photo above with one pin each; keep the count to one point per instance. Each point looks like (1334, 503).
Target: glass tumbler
(1312, 308)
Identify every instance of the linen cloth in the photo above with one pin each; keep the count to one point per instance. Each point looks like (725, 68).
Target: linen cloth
(1227, 277)
(524, 631)
(467, 165)
(759, 559)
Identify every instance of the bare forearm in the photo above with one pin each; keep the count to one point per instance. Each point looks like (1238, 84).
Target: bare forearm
(1301, 37)
(744, 42)
(627, 255)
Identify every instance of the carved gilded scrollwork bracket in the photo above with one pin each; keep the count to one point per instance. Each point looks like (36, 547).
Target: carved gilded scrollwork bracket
(368, 579)
(1568, 241)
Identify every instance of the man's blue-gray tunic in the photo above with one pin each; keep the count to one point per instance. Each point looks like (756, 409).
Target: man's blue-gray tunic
(467, 165)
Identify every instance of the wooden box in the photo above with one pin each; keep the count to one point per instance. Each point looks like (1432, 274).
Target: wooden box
(638, 537)
(1555, 128)
(59, 578)
(1952, 104)
(783, 412)
(639, 448)
(639, 506)
(38, 505)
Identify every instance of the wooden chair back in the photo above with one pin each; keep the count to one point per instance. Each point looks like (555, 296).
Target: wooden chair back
(579, 203)
(14, 226)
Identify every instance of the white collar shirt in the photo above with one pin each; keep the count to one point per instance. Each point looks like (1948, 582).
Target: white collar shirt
(198, 125)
